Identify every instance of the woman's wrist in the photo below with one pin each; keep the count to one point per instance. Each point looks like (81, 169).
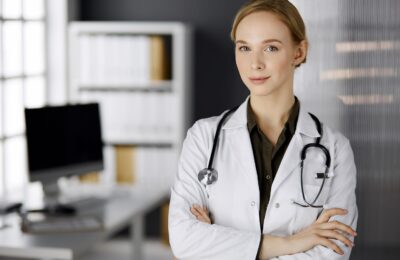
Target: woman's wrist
(273, 246)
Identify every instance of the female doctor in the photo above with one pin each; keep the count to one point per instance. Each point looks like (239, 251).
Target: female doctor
(280, 183)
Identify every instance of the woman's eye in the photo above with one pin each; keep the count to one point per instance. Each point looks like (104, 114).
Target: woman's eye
(244, 48)
(271, 49)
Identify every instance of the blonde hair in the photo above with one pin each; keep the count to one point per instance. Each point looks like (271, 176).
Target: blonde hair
(283, 9)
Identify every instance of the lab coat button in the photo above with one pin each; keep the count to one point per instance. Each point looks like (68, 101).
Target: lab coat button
(277, 205)
(253, 203)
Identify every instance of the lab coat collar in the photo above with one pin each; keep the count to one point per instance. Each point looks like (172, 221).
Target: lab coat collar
(305, 124)
(239, 117)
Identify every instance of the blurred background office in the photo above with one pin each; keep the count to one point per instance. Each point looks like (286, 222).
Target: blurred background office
(351, 81)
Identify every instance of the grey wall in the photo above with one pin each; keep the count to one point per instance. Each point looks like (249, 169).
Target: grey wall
(217, 85)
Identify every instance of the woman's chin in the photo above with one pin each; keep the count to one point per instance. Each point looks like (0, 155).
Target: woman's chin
(260, 91)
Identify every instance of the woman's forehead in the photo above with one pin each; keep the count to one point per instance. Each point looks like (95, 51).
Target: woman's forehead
(262, 26)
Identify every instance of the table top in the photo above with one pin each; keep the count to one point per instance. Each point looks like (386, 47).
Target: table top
(122, 207)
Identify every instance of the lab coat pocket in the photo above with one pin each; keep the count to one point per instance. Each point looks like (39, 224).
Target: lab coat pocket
(305, 216)
(313, 180)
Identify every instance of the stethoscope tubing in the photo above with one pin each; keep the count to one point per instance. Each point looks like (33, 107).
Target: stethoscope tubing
(215, 142)
(211, 174)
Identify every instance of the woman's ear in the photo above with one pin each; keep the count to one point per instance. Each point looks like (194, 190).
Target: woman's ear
(300, 52)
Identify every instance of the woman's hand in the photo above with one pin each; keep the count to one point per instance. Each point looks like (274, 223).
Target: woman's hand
(320, 233)
(201, 213)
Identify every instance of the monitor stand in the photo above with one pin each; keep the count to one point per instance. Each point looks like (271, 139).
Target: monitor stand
(56, 204)
(52, 205)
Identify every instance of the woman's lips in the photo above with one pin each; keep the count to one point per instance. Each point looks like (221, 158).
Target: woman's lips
(258, 80)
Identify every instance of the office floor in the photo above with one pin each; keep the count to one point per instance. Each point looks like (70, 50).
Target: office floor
(120, 249)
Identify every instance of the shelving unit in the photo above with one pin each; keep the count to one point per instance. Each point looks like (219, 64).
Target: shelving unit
(141, 113)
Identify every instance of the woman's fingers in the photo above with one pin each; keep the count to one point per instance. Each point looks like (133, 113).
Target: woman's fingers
(197, 214)
(194, 211)
(339, 226)
(328, 213)
(200, 213)
(336, 235)
(203, 211)
(328, 243)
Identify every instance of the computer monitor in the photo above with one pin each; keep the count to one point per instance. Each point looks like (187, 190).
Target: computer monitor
(63, 141)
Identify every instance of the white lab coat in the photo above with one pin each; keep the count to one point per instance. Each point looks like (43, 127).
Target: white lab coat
(234, 199)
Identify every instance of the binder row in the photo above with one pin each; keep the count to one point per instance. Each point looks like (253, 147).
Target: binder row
(121, 60)
(145, 165)
(143, 117)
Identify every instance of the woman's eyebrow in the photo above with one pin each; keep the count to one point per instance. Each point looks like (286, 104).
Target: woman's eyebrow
(264, 41)
(272, 40)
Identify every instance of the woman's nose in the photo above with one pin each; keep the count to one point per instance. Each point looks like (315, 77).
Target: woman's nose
(257, 63)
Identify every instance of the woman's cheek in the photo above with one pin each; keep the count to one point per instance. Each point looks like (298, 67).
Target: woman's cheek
(242, 68)
(240, 63)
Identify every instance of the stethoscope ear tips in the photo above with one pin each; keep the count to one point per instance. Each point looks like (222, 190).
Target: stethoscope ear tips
(208, 176)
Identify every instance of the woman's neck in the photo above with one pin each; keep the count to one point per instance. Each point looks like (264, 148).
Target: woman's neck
(272, 111)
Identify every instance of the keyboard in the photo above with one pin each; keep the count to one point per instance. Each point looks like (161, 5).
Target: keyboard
(88, 203)
(62, 224)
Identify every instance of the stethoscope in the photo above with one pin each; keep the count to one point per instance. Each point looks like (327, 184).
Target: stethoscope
(209, 175)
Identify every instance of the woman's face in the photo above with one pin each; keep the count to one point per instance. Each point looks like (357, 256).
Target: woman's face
(266, 54)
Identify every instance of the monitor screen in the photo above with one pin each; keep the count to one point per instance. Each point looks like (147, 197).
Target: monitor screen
(63, 141)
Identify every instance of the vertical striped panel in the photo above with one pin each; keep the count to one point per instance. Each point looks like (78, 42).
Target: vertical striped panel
(352, 82)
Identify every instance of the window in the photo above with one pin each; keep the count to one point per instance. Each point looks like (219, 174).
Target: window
(22, 82)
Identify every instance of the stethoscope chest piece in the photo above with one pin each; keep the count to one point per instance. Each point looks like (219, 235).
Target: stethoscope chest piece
(208, 176)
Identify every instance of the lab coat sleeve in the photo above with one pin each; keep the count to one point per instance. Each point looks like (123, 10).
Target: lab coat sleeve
(342, 195)
(190, 238)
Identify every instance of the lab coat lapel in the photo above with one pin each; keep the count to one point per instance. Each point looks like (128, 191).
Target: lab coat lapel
(239, 143)
(291, 160)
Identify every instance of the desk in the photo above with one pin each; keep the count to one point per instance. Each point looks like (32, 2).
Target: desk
(126, 207)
